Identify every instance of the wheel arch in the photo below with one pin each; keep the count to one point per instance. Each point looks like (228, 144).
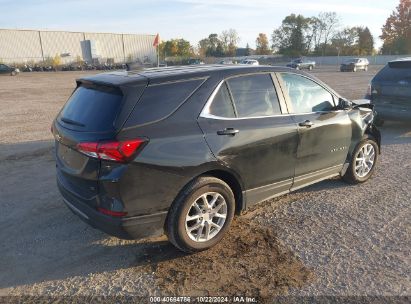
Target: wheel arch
(372, 131)
(227, 176)
(231, 180)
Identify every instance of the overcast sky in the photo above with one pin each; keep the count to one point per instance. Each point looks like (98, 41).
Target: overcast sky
(189, 19)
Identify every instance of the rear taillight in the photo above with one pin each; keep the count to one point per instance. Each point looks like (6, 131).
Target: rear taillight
(112, 213)
(120, 151)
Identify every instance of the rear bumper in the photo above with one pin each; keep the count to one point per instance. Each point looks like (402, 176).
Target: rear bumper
(135, 227)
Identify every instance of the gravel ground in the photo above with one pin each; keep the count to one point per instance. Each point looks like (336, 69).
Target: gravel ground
(327, 239)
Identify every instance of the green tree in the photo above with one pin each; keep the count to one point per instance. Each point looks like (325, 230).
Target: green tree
(291, 37)
(357, 41)
(365, 42)
(396, 33)
(229, 40)
(184, 48)
(168, 48)
(203, 46)
(344, 41)
(219, 50)
(175, 47)
(262, 47)
(247, 50)
(211, 46)
(214, 43)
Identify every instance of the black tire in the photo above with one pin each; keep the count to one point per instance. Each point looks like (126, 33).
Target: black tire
(176, 219)
(351, 175)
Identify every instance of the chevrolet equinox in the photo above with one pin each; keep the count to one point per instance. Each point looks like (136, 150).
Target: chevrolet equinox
(181, 150)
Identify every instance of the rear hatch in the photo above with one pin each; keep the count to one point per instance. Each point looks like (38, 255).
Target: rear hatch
(392, 85)
(95, 112)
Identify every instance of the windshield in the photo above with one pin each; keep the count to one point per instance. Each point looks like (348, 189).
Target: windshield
(352, 60)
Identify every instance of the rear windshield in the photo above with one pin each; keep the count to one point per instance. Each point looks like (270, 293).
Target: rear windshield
(92, 108)
(395, 71)
(161, 100)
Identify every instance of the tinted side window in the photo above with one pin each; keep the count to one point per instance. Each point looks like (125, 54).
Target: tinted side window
(160, 100)
(222, 105)
(306, 95)
(254, 95)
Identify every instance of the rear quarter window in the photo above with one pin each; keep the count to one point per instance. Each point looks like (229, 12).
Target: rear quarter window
(161, 100)
(92, 108)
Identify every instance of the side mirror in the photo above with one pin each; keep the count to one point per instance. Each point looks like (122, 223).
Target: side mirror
(344, 104)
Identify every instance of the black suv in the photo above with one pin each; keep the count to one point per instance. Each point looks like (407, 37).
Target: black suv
(390, 90)
(181, 150)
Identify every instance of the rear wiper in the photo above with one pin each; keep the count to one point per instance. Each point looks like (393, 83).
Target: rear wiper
(72, 122)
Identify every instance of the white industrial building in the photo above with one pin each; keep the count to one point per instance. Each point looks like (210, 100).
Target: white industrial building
(22, 46)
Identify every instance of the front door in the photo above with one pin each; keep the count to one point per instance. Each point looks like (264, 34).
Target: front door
(324, 132)
(246, 131)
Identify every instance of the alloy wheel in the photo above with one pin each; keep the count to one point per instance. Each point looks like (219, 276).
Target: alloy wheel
(206, 217)
(364, 160)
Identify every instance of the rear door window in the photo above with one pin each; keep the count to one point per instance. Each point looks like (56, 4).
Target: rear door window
(254, 95)
(92, 108)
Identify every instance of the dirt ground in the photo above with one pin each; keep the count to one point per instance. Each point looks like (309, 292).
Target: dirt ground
(327, 239)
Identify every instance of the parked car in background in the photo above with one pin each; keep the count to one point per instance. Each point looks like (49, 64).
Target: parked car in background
(226, 62)
(250, 62)
(181, 150)
(390, 90)
(354, 65)
(194, 61)
(300, 64)
(9, 70)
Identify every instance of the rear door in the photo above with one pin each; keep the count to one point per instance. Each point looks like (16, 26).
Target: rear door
(324, 132)
(244, 126)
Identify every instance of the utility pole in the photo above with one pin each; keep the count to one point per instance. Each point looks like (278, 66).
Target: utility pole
(158, 55)
(41, 47)
(156, 44)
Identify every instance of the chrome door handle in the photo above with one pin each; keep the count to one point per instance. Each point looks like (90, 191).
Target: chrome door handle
(228, 131)
(307, 124)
